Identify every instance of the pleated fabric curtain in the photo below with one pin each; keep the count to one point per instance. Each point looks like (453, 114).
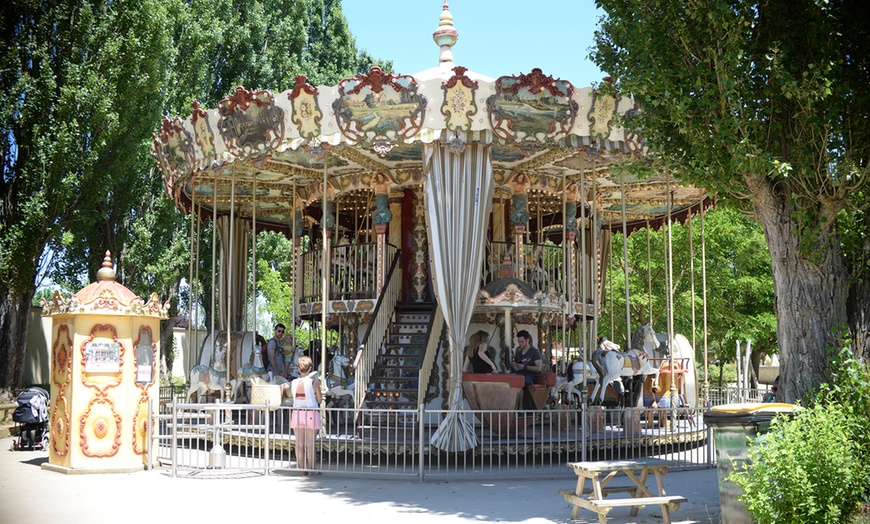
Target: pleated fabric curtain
(459, 189)
(233, 273)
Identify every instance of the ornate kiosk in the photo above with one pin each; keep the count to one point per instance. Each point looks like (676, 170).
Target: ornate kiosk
(104, 371)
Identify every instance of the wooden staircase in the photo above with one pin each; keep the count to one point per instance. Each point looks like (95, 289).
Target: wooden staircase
(395, 378)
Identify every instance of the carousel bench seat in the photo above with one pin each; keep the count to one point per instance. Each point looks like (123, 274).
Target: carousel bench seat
(514, 381)
(547, 379)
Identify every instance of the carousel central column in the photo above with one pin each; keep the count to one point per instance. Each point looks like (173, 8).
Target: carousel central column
(520, 218)
(571, 195)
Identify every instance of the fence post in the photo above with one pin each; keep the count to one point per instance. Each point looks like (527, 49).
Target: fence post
(420, 413)
(174, 425)
(267, 455)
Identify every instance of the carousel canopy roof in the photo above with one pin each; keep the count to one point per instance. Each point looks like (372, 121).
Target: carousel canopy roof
(368, 132)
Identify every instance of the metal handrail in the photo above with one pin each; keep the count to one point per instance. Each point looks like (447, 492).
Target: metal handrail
(376, 330)
(435, 338)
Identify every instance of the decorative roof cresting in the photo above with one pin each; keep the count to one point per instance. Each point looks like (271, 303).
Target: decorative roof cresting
(105, 297)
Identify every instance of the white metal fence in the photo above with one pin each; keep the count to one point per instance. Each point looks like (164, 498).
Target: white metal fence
(235, 439)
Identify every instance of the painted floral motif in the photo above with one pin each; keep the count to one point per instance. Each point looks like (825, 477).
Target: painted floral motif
(140, 427)
(61, 359)
(459, 106)
(601, 114)
(59, 423)
(100, 429)
(306, 109)
(203, 133)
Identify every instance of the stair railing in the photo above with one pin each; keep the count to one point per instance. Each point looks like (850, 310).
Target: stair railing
(431, 352)
(376, 332)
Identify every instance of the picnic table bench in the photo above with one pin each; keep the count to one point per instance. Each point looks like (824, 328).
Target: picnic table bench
(601, 473)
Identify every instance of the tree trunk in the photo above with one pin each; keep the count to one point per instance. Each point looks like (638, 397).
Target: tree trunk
(811, 295)
(859, 314)
(14, 323)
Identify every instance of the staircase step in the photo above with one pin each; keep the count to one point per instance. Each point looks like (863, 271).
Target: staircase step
(403, 349)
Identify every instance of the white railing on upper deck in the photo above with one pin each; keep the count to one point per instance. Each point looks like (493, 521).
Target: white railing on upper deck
(353, 272)
(542, 266)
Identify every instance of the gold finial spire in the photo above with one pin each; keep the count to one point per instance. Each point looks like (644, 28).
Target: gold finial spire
(106, 272)
(446, 35)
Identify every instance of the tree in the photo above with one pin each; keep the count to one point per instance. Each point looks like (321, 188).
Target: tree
(84, 84)
(78, 81)
(766, 104)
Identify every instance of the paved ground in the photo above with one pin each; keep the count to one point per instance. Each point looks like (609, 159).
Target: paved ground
(31, 494)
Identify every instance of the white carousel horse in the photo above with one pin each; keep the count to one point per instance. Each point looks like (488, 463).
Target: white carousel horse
(570, 384)
(340, 387)
(612, 364)
(212, 377)
(247, 372)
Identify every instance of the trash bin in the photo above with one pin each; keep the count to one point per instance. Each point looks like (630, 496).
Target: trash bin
(733, 425)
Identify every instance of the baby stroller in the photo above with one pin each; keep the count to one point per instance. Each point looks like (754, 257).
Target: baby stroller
(31, 414)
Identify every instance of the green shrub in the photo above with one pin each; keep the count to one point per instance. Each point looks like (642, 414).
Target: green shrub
(806, 469)
(814, 467)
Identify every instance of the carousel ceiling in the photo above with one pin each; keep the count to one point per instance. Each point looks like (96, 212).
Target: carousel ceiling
(269, 153)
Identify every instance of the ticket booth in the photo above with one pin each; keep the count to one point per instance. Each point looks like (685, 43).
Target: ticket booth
(105, 356)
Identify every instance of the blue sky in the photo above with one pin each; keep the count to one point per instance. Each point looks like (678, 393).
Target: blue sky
(496, 37)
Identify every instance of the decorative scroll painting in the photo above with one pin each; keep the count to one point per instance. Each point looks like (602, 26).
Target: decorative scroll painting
(379, 109)
(173, 150)
(532, 108)
(250, 122)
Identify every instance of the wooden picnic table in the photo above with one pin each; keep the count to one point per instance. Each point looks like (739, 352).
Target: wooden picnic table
(601, 473)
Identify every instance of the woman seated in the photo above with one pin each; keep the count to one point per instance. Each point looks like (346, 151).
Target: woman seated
(475, 355)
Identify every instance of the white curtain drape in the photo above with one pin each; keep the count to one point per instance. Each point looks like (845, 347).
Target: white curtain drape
(459, 188)
(233, 287)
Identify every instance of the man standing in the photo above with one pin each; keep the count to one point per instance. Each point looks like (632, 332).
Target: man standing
(527, 359)
(275, 352)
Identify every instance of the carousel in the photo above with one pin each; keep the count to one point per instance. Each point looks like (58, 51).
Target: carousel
(421, 209)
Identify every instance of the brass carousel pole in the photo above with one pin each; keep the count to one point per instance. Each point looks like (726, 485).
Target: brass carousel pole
(596, 257)
(670, 280)
(625, 266)
(704, 292)
(229, 273)
(190, 280)
(293, 277)
(324, 283)
(584, 291)
(254, 268)
(213, 261)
